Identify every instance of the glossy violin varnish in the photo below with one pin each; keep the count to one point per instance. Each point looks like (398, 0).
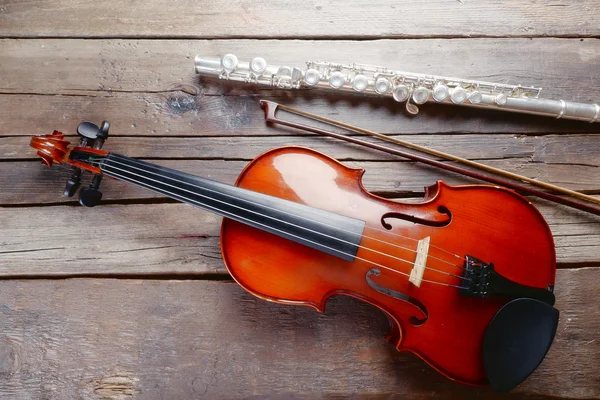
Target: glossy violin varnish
(466, 276)
(434, 319)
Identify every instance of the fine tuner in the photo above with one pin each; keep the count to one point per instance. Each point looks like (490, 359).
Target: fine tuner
(413, 89)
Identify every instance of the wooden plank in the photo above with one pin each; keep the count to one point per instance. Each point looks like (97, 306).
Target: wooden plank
(550, 149)
(264, 19)
(70, 66)
(168, 239)
(181, 114)
(31, 183)
(116, 339)
(140, 83)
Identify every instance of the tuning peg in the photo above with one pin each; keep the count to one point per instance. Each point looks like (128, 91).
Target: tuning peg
(102, 135)
(88, 130)
(73, 183)
(91, 196)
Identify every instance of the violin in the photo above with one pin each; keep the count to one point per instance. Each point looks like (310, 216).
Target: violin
(465, 277)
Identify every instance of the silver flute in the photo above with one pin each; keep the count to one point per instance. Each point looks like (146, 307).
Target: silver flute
(404, 87)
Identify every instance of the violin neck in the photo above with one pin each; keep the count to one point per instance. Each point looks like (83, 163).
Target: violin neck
(312, 227)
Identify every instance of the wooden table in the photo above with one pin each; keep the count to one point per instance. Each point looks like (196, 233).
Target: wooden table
(131, 299)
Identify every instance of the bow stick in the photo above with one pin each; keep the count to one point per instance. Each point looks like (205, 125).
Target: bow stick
(271, 107)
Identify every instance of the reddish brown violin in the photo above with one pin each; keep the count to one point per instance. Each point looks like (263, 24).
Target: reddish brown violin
(466, 276)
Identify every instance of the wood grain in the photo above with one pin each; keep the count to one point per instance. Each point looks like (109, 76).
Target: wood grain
(148, 87)
(177, 113)
(177, 239)
(550, 149)
(314, 19)
(31, 183)
(70, 66)
(117, 339)
(62, 62)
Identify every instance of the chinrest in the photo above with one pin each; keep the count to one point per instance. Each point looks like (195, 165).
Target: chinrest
(517, 340)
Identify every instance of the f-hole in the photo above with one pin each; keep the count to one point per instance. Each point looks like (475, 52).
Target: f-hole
(398, 296)
(443, 219)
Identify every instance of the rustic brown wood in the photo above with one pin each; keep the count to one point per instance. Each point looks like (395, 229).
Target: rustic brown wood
(92, 76)
(112, 339)
(126, 240)
(264, 19)
(176, 113)
(31, 183)
(73, 66)
(63, 62)
(550, 149)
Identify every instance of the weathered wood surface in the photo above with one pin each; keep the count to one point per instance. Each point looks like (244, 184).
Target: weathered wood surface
(70, 66)
(62, 62)
(570, 161)
(149, 88)
(120, 339)
(548, 149)
(314, 19)
(177, 113)
(177, 239)
(32, 184)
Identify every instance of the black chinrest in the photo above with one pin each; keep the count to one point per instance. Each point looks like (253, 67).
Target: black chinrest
(517, 340)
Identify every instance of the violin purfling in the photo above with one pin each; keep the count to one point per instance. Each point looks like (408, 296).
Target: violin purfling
(466, 277)
(410, 88)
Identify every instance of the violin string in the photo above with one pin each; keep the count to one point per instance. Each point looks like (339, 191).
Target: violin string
(275, 219)
(386, 232)
(431, 245)
(333, 226)
(271, 217)
(162, 191)
(104, 163)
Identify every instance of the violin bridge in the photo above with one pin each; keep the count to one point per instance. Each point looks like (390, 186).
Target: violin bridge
(416, 275)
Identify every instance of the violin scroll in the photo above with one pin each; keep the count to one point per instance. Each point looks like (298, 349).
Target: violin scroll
(54, 148)
(51, 148)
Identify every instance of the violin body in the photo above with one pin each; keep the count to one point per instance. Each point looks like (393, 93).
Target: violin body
(466, 276)
(434, 321)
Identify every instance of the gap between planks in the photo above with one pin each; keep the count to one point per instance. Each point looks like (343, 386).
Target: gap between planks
(331, 38)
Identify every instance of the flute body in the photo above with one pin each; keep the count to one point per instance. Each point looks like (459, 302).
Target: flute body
(405, 87)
